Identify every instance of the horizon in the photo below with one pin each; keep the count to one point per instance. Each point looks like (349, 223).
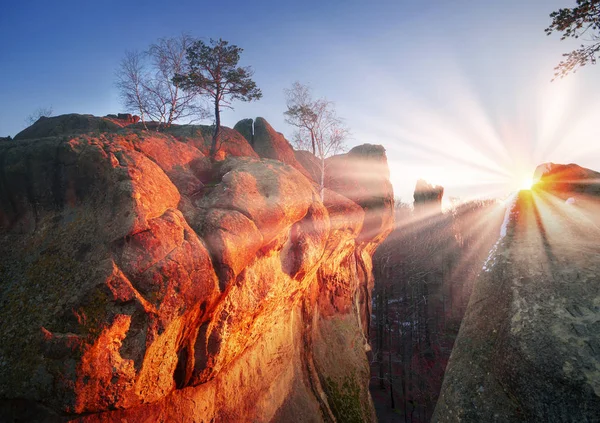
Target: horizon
(436, 85)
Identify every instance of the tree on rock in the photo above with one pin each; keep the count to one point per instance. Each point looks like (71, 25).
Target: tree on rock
(319, 129)
(214, 72)
(580, 21)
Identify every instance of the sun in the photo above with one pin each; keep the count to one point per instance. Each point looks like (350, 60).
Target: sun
(527, 183)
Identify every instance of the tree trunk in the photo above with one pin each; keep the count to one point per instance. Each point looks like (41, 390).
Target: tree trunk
(213, 145)
(312, 140)
(322, 183)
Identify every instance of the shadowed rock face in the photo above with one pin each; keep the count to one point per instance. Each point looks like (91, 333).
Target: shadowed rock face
(70, 124)
(138, 283)
(529, 346)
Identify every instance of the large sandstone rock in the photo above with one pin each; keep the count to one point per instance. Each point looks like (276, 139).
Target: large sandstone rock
(528, 349)
(137, 284)
(200, 136)
(567, 180)
(246, 128)
(362, 175)
(310, 162)
(428, 197)
(69, 124)
(270, 144)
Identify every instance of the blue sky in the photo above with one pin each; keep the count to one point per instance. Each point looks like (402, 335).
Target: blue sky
(458, 92)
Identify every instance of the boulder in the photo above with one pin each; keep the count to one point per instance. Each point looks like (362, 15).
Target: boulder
(200, 136)
(270, 144)
(127, 117)
(246, 128)
(138, 283)
(310, 162)
(529, 345)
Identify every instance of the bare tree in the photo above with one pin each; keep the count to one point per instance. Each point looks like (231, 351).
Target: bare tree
(145, 81)
(131, 79)
(39, 113)
(169, 58)
(318, 126)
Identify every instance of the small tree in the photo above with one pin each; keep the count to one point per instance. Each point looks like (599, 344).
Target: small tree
(318, 126)
(214, 72)
(131, 80)
(39, 113)
(581, 20)
(146, 85)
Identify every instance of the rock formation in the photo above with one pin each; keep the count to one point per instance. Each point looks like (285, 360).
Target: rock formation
(310, 162)
(200, 136)
(268, 143)
(69, 124)
(568, 179)
(362, 175)
(246, 128)
(529, 346)
(140, 283)
(428, 198)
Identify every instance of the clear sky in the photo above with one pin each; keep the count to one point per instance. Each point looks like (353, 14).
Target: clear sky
(458, 91)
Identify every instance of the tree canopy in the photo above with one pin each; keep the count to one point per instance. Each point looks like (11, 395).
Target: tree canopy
(214, 72)
(579, 22)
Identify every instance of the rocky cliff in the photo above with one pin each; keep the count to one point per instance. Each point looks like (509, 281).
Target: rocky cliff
(529, 346)
(140, 282)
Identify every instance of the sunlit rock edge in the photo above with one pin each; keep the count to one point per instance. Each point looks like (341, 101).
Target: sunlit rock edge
(140, 282)
(528, 349)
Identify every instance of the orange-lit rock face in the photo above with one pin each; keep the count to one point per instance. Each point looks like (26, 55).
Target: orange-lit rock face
(566, 180)
(138, 283)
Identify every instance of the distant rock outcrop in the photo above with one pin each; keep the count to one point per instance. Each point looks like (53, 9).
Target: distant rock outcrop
(362, 175)
(528, 349)
(139, 282)
(428, 197)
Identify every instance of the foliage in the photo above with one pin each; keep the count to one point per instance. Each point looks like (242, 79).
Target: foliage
(146, 86)
(581, 20)
(214, 72)
(345, 399)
